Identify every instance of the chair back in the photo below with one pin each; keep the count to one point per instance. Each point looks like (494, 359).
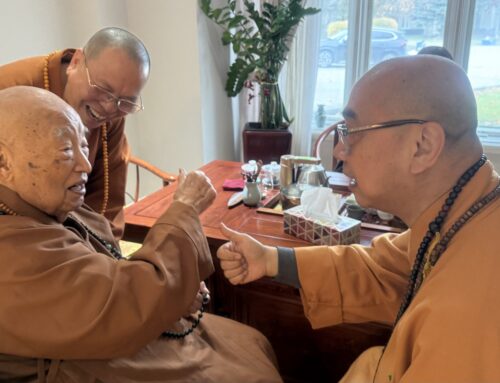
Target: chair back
(322, 137)
(139, 163)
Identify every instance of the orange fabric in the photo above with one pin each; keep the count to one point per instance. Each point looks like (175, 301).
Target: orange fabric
(450, 331)
(30, 72)
(65, 299)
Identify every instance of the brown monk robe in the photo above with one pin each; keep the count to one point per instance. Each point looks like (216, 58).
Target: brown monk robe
(122, 69)
(71, 310)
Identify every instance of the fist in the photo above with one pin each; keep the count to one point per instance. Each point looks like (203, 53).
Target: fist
(195, 189)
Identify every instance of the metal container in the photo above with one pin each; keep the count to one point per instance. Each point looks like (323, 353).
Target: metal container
(313, 175)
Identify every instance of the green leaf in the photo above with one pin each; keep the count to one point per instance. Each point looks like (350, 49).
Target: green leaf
(237, 75)
(235, 21)
(259, 40)
(226, 38)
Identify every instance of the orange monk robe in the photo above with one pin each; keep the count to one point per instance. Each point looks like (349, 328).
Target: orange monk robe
(94, 318)
(30, 72)
(450, 332)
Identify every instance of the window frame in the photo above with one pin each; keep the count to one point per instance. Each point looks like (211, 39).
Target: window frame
(459, 22)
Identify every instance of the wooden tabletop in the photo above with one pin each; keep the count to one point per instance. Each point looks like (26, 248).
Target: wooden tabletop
(140, 216)
(303, 354)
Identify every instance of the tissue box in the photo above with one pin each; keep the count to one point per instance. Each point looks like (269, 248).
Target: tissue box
(321, 232)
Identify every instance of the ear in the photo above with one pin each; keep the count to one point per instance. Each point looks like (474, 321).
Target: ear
(429, 145)
(5, 163)
(77, 58)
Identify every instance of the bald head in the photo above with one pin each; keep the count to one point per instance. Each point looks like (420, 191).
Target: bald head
(118, 38)
(43, 150)
(422, 87)
(27, 114)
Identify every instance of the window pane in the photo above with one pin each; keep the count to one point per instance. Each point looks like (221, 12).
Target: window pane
(405, 27)
(483, 69)
(329, 97)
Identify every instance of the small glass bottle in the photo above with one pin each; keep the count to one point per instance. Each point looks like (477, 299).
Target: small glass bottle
(251, 194)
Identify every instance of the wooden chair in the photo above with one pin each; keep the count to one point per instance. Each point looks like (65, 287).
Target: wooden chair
(324, 134)
(139, 163)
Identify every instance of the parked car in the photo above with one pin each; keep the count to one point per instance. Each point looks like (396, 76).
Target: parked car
(385, 44)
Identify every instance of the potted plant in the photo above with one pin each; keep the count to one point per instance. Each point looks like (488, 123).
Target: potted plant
(260, 41)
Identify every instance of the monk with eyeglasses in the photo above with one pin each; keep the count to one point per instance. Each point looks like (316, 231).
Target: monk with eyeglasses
(409, 144)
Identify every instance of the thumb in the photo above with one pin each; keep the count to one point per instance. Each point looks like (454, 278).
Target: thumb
(229, 233)
(182, 176)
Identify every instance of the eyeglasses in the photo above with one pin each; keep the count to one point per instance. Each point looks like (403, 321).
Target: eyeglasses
(344, 132)
(124, 105)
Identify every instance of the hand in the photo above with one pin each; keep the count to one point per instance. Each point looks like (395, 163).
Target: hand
(245, 259)
(202, 296)
(195, 189)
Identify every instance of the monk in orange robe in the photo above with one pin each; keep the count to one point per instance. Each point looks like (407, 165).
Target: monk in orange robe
(102, 82)
(72, 309)
(410, 146)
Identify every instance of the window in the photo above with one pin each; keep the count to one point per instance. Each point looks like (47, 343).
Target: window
(470, 29)
(484, 69)
(330, 88)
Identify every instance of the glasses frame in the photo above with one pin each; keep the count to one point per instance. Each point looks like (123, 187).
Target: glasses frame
(344, 132)
(111, 97)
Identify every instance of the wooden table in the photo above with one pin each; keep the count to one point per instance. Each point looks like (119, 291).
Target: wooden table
(304, 355)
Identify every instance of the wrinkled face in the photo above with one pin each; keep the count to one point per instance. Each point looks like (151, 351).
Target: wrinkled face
(375, 159)
(50, 170)
(112, 71)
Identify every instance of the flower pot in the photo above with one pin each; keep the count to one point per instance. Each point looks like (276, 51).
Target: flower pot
(265, 144)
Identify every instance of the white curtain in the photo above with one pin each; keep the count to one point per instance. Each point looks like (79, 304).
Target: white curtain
(300, 80)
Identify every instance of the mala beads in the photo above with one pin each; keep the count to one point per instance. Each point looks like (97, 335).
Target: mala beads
(115, 252)
(196, 322)
(104, 139)
(432, 241)
(6, 210)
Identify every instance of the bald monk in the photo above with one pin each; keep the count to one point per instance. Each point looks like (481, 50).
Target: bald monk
(102, 82)
(410, 146)
(72, 309)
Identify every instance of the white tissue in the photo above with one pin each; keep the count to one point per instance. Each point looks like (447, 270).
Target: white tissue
(320, 203)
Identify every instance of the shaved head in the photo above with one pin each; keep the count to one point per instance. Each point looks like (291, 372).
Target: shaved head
(26, 113)
(118, 38)
(423, 87)
(43, 150)
(415, 161)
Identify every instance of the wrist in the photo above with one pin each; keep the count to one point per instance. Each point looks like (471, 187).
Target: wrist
(271, 255)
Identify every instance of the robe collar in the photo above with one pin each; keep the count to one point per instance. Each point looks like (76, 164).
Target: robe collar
(483, 182)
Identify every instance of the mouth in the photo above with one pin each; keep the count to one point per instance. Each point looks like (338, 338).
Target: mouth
(94, 115)
(79, 187)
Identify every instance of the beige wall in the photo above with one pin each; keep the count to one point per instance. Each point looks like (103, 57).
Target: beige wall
(169, 132)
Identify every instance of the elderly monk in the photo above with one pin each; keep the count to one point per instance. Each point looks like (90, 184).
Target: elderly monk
(410, 146)
(72, 309)
(102, 82)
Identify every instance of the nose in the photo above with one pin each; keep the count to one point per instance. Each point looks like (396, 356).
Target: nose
(340, 151)
(110, 107)
(82, 162)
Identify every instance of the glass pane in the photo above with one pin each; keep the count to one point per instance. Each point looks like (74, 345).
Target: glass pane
(403, 27)
(329, 97)
(484, 68)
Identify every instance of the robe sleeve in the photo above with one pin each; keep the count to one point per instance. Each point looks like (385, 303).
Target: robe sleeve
(118, 153)
(62, 300)
(342, 284)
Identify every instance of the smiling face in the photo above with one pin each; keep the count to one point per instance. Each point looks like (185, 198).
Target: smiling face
(50, 166)
(112, 70)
